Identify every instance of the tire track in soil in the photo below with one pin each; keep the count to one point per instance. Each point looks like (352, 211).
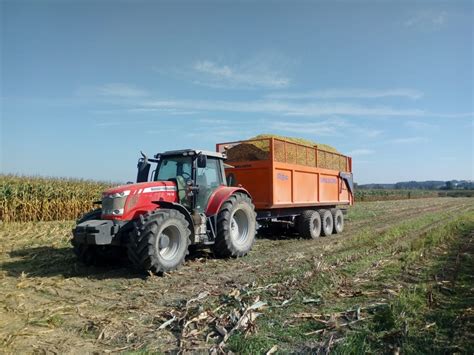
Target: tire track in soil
(269, 256)
(410, 236)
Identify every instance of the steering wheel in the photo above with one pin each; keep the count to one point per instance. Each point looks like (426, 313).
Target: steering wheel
(183, 174)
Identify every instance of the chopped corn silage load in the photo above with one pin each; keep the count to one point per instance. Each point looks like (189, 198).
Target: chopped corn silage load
(302, 152)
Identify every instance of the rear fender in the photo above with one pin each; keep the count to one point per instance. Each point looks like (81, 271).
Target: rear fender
(219, 196)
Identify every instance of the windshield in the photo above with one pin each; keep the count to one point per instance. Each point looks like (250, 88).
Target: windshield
(172, 166)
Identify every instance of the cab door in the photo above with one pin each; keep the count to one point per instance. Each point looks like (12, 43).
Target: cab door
(208, 179)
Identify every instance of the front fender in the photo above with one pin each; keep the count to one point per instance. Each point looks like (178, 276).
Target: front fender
(219, 196)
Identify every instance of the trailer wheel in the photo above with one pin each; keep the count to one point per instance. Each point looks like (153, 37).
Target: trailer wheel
(338, 218)
(97, 255)
(309, 224)
(236, 226)
(159, 241)
(327, 222)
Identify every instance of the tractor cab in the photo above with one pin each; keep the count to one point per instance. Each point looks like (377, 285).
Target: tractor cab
(196, 173)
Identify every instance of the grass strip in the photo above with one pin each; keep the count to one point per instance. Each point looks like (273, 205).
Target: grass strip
(404, 247)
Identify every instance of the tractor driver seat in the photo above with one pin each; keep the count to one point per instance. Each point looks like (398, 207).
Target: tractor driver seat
(204, 192)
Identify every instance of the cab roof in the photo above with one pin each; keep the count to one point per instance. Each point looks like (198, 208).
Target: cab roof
(209, 153)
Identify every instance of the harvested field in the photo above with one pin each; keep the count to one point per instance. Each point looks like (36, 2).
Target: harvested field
(398, 279)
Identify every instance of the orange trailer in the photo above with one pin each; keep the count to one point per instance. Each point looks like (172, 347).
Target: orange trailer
(294, 184)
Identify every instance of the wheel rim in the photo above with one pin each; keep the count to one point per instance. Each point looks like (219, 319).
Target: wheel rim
(316, 226)
(169, 243)
(328, 222)
(338, 222)
(239, 227)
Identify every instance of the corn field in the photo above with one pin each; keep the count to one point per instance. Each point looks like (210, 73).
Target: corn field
(24, 199)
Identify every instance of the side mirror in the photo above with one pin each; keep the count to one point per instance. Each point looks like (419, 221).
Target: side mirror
(143, 170)
(201, 161)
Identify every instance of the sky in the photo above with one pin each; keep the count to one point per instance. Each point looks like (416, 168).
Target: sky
(86, 85)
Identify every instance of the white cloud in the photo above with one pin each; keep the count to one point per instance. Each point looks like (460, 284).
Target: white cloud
(322, 128)
(120, 90)
(409, 140)
(427, 20)
(362, 151)
(213, 121)
(218, 75)
(371, 133)
(349, 94)
(420, 125)
(282, 107)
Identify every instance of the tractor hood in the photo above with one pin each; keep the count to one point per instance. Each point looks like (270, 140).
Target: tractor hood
(125, 201)
(142, 187)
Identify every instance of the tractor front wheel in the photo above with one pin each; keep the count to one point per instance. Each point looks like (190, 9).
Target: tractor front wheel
(159, 242)
(236, 226)
(98, 255)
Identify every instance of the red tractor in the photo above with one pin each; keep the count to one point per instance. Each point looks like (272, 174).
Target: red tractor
(184, 202)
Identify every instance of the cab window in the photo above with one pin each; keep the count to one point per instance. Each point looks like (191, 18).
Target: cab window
(171, 167)
(208, 179)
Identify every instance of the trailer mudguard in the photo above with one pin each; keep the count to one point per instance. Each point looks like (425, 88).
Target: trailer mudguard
(219, 196)
(347, 177)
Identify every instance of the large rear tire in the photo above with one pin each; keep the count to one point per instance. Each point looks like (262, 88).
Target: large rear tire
(159, 242)
(97, 255)
(327, 222)
(308, 224)
(338, 218)
(236, 226)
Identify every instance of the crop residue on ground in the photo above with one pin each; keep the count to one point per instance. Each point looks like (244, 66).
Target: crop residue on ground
(288, 295)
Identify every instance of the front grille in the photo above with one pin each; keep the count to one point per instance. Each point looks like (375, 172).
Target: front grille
(113, 206)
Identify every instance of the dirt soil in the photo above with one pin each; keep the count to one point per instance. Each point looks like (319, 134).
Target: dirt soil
(51, 303)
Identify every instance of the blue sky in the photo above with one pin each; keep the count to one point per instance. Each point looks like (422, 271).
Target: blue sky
(86, 85)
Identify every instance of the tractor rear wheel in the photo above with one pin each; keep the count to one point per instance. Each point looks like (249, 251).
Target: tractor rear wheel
(236, 226)
(159, 242)
(327, 222)
(338, 218)
(309, 224)
(97, 255)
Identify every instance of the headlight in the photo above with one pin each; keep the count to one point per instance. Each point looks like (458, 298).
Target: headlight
(119, 194)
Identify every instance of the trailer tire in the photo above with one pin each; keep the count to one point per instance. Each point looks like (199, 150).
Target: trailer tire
(338, 218)
(159, 242)
(236, 226)
(97, 255)
(327, 222)
(309, 224)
